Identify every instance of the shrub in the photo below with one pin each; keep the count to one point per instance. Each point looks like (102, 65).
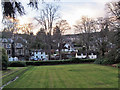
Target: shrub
(118, 65)
(4, 59)
(17, 64)
(98, 61)
(114, 56)
(103, 61)
(117, 57)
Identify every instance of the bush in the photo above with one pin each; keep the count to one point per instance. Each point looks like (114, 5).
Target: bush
(117, 57)
(118, 65)
(103, 61)
(17, 64)
(98, 61)
(4, 59)
(114, 56)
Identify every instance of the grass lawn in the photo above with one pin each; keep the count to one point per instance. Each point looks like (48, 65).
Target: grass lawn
(68, 76)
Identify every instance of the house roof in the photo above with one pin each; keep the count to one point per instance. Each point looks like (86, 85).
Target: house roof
(37, 50)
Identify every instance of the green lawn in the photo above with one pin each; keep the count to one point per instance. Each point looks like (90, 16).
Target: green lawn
(68, 76)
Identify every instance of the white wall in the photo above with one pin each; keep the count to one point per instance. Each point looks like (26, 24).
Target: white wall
(92, 56)
(13, 59)
(81, 56)
(39, 55)
(84, 56)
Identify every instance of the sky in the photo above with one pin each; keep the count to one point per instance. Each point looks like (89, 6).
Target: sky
(70, 10)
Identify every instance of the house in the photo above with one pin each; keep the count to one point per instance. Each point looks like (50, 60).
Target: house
(19, 48)
(38, 55)
(66, 47)
(67, 51)
(6, 43)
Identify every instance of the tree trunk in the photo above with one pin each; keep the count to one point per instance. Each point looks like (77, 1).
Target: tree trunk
(60, 47)
(60, 55)
(49, 47)
(13, 49)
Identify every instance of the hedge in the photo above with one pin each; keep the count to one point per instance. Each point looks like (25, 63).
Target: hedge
(17, 64)
(51, 62)
(56, 62)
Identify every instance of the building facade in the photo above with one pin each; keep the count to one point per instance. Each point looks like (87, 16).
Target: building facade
(38, 55)
(19, 48)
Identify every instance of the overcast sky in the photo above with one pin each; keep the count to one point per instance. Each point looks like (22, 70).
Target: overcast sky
(70, 10)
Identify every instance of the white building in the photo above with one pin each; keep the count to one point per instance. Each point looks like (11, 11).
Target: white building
(81, 56)
(91, 56)
(38, 55)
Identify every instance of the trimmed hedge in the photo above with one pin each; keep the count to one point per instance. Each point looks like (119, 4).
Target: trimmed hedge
(50, 62)
(17, 64)
(56, 62)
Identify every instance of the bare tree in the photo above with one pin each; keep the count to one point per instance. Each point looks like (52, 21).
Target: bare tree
(114, 15)
(103, 36)
(63, 25)
(85, 26)
(59, 30)
(114, 9)
(25, 29)
(49, 14)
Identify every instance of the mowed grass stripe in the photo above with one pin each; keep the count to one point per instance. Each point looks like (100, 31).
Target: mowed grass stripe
(56, 82)
(68, 76)
(97, 78)
(37, 78)
(79, 79)
(75, 82)
(62, 79)
(22, 79)
(51, 77)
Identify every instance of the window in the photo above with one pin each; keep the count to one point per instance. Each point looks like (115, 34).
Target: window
(4, 45)
(36, 56)
(20, 51)
(8, 52)
(8, 46)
